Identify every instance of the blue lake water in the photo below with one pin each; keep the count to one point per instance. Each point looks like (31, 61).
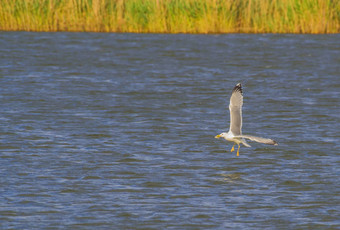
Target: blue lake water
(116, 131)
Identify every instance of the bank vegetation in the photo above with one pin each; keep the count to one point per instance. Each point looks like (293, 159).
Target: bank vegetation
(172, 16)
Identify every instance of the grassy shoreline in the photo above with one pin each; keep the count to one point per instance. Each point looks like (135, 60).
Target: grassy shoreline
(172, 16)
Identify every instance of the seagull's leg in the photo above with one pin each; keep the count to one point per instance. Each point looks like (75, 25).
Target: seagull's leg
(238, 150)
(232, 149)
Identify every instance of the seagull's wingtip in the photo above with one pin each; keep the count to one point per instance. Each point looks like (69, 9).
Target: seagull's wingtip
(238, 87)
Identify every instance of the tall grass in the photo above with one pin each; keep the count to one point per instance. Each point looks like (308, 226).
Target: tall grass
(172, 16)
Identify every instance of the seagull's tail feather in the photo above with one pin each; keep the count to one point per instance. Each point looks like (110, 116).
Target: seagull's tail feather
(258, 139)
(244, 142)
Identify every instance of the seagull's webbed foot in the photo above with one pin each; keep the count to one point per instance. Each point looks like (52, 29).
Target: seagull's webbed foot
(232, 149)
(238, 151)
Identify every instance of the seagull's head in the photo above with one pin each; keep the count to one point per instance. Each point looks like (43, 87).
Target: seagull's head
(221, 135)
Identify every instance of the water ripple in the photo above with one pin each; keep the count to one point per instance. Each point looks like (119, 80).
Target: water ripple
(117, 131)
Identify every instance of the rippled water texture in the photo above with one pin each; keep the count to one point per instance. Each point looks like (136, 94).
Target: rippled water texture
(113, 131)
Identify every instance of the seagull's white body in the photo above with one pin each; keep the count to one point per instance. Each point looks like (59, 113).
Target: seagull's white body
(229, 136)
(235, 131)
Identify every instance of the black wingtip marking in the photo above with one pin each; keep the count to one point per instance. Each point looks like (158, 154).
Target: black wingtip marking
(238, 87)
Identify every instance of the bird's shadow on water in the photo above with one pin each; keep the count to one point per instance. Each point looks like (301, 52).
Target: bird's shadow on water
(232, 169)
(223, 168)
(229, 178)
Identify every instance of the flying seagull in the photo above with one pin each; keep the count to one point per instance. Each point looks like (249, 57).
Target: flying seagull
(235, 130)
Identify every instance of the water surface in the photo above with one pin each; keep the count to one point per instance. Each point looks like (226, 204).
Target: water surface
(113, 131)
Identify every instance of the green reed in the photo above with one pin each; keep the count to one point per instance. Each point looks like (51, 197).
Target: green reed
(172, 16)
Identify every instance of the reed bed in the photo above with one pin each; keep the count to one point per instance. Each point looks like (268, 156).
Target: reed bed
(172, 16)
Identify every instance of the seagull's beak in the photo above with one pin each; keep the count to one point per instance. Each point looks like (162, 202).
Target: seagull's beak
(217, 136)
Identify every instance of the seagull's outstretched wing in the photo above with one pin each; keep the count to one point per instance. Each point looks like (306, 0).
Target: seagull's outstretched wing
(258, 139)
(235, 108)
